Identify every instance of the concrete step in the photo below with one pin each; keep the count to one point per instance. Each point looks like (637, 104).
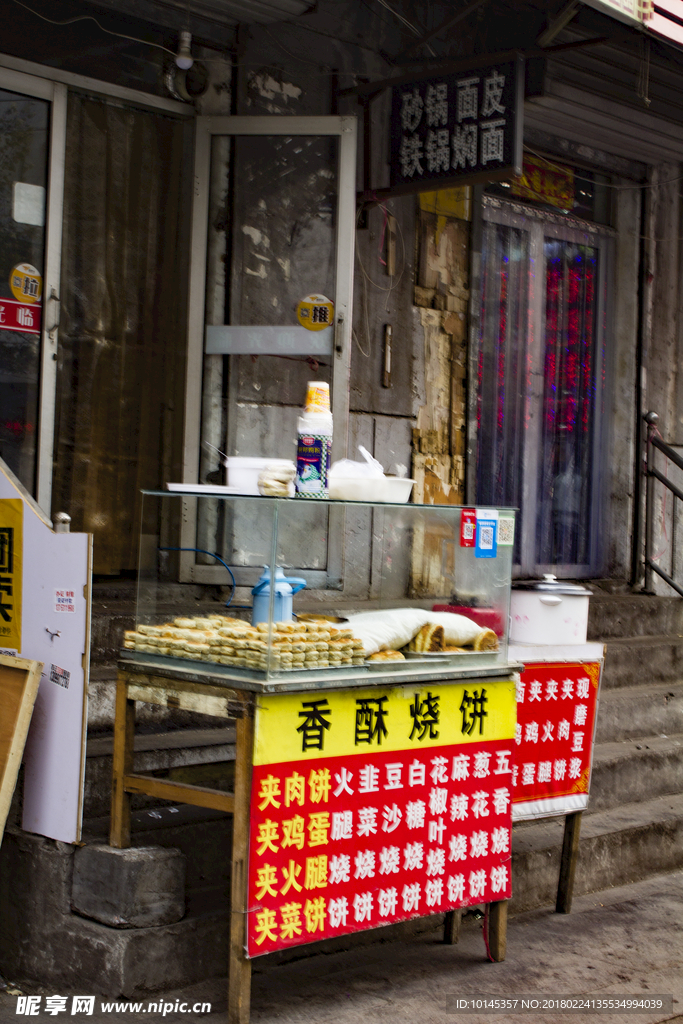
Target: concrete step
(617, 847)
(635, 770)
(636, 711)
(204, 836)
(633, 660)
(619, 615)
(155, 752)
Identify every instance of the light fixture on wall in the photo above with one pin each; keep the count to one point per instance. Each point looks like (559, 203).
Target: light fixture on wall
(184, 59)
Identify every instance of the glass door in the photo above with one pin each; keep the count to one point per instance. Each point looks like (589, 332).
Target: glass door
(540, 384)
(273, 223)
(32, 117)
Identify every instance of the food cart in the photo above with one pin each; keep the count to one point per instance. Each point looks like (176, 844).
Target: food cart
(374, 735)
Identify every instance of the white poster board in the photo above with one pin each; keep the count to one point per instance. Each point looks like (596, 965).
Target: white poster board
(54, 626)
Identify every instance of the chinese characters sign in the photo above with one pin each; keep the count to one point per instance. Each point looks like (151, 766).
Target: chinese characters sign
(11, 546)
(631, 10)
(371, 807)
(556, 708)
(545, 183)
(462, 126)
(19, 316)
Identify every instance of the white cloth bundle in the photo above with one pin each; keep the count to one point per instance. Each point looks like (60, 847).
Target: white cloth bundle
(389, 629)
(458, 630)
(393, 628)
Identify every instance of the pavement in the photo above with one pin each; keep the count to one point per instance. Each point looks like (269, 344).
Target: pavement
(619, 942)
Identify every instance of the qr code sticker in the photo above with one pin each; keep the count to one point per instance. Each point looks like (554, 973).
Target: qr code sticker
(486, 538)
(506, 531)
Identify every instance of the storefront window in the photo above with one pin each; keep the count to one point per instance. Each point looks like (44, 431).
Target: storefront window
(24, 128)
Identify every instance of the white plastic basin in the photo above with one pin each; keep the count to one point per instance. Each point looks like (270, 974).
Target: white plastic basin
(243, 471)
(389, 488)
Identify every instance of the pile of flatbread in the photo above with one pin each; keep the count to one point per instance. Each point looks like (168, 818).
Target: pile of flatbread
(227, 641)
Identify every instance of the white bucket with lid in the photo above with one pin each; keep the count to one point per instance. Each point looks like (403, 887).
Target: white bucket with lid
(548, 611)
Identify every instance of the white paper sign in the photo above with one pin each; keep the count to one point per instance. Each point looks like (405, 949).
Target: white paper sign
(65, 601)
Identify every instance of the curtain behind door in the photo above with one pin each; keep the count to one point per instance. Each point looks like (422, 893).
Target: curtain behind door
(122, 332)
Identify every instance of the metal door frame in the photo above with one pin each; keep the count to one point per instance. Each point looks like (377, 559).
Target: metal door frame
(207, 127)
(539, 224)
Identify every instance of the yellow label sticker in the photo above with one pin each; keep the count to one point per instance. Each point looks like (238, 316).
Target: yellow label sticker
(26, 283)
(11, 571)
(315, 312)
(297, 726)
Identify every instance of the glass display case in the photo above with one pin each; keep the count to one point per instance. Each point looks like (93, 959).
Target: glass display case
(293, 586)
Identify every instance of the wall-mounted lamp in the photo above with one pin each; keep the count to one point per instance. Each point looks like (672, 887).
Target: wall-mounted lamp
(184, 59)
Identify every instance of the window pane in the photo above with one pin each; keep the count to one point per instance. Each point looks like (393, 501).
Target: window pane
(24, 124)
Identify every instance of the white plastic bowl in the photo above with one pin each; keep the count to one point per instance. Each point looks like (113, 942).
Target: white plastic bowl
(243, 472)
(389, 488)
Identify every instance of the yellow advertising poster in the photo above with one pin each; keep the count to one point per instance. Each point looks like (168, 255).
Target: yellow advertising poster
(11, 551)
(299, 726)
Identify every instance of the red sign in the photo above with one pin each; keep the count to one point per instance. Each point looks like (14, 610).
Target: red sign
(468, 528)
(545, 182)
(556, 705)
(19, 316)
(341, 844)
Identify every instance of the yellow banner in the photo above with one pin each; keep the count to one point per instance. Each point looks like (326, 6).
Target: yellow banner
(300, 726)
(11, 551)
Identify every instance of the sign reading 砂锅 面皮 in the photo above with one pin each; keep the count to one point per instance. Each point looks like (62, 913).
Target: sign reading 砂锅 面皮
(457, 127)
(374, 806)
(556, 709)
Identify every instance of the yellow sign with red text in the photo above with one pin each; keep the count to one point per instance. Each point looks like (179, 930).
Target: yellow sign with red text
(295, 726)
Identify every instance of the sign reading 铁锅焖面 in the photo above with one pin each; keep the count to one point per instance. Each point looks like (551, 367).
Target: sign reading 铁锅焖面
(373, 806)
(457, 127)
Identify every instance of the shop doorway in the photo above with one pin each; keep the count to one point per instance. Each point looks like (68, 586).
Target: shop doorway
(32, 116)
(540, 383)
(273, 222)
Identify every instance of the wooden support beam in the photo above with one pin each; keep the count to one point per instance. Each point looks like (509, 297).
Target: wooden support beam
(570, 854)
(498, 925)
(239, 980)
(180, 792)
(124, 736)
(451, 927)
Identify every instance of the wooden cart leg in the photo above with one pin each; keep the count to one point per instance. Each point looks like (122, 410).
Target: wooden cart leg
(498, 926)
(124, 738)
(239, 979)
(451, 927)
(570, 855)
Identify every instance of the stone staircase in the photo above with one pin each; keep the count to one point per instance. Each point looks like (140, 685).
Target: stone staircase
(633, 827)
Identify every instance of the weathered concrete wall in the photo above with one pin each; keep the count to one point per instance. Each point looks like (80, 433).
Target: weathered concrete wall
(622, 368)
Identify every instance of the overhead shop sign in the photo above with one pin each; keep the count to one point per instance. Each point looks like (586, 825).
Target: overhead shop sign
(666, 20)
(627, 10)
(454, 128)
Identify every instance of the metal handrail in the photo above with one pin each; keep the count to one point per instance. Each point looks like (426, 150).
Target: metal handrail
(652, 474)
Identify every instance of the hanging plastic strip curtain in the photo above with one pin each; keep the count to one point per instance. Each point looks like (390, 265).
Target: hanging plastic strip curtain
(121, 352)
(502, 365)
(566, 454)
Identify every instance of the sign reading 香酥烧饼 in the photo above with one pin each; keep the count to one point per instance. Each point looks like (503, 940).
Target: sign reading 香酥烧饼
(457, 127)
(374, 806)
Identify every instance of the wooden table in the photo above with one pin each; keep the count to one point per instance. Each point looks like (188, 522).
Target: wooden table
(232, 694)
